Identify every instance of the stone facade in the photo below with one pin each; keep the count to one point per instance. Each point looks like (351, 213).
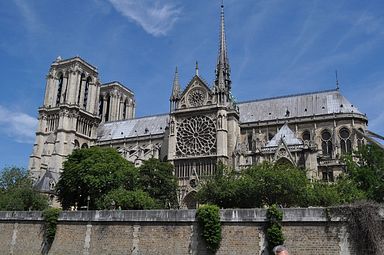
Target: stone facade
(306, 231)
(204, 126)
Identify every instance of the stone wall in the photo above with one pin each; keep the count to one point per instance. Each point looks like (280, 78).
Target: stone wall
(169, 232)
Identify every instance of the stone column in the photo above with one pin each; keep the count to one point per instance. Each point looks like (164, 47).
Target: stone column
(48, 90)
(74, 80)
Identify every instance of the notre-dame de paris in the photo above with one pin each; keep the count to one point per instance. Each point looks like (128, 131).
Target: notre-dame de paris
(204, 125)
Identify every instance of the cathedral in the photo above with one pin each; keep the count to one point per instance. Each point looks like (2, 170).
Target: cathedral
(204, 126)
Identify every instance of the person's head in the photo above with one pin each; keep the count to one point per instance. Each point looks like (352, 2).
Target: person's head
(280, 250)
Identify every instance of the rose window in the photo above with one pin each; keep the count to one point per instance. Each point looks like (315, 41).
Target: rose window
(196, 97)
(196, 136)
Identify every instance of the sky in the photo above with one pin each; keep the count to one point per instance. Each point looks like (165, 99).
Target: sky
(275, 48)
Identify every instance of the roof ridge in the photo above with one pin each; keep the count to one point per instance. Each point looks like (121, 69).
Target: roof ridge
(82, 59)
(286, 96)
(142, 117)
(118, 82)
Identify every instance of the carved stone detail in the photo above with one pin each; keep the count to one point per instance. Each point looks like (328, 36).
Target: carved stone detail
(196, 97)
(196, 136)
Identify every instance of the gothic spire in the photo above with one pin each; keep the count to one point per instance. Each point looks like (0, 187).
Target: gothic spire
(176, 86)
(222, 81)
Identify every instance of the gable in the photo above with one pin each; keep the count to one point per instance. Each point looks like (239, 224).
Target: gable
(196, 94)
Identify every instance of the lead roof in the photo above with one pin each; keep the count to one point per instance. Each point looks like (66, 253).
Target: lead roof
(286, 107)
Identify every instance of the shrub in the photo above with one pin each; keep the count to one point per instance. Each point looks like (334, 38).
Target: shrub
(208, 218)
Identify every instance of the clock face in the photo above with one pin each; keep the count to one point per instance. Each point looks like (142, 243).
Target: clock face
(196, 97)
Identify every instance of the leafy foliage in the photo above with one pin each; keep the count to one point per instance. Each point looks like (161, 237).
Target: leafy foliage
(17, 192)
(208, 218)
(94, 172)
(259, 185)
(274, 231)
(112, 182)
(343, 191)
(50, 216)
(366, 168)
(156, 178)
(127, 200)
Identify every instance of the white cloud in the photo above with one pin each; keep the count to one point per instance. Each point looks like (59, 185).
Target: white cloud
(155, 17)
(17, 125)
(31, 20)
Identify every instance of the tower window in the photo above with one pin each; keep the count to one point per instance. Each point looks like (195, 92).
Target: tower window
(326, 143)
(59, 89)
(125, 109)
(86, 89)
(106, 117)
(79, 92)
(101, 105)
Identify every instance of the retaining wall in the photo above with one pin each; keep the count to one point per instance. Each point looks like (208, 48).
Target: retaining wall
(169, 232)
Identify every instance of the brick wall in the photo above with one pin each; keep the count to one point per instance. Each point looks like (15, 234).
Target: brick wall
(169, 232)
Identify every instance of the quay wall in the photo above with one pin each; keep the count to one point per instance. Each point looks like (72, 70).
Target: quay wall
(306, 230)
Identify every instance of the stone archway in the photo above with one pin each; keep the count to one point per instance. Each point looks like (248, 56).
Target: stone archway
(284, 161)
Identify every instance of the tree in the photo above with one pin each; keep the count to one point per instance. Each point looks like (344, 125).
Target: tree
(91, 173)
(127, 200)
(263, 184)
(280, 184)
(17, 192)
(366, 168)
(156, 178)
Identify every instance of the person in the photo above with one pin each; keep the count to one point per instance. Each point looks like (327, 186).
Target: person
(280, 250)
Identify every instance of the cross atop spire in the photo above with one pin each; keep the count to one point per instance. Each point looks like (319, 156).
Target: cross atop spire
(222, 81)
(176, 86)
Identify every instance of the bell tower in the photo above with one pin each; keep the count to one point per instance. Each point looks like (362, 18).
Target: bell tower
(67, 119)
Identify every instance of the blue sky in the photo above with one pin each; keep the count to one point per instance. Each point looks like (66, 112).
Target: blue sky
(276, 47)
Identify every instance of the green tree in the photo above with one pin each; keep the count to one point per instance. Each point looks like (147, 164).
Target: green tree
(366, 168)
(279, 184)
(263, 184)
(17, 192)
(127, 200)
(157, 179)
(92, 173)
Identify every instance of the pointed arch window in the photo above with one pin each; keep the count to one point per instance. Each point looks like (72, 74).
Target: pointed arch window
(306, 135)
(106, 117)
(360, 138)
(250, 147)
(125, 109)
(76, 144)
(326, 143)
(86, 90)
(59, 89)
(80, 85)
(101, 105)
(345, 141)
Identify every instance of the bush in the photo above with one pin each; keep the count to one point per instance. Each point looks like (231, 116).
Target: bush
(50, 216)
(208, 217)
(274, 231)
